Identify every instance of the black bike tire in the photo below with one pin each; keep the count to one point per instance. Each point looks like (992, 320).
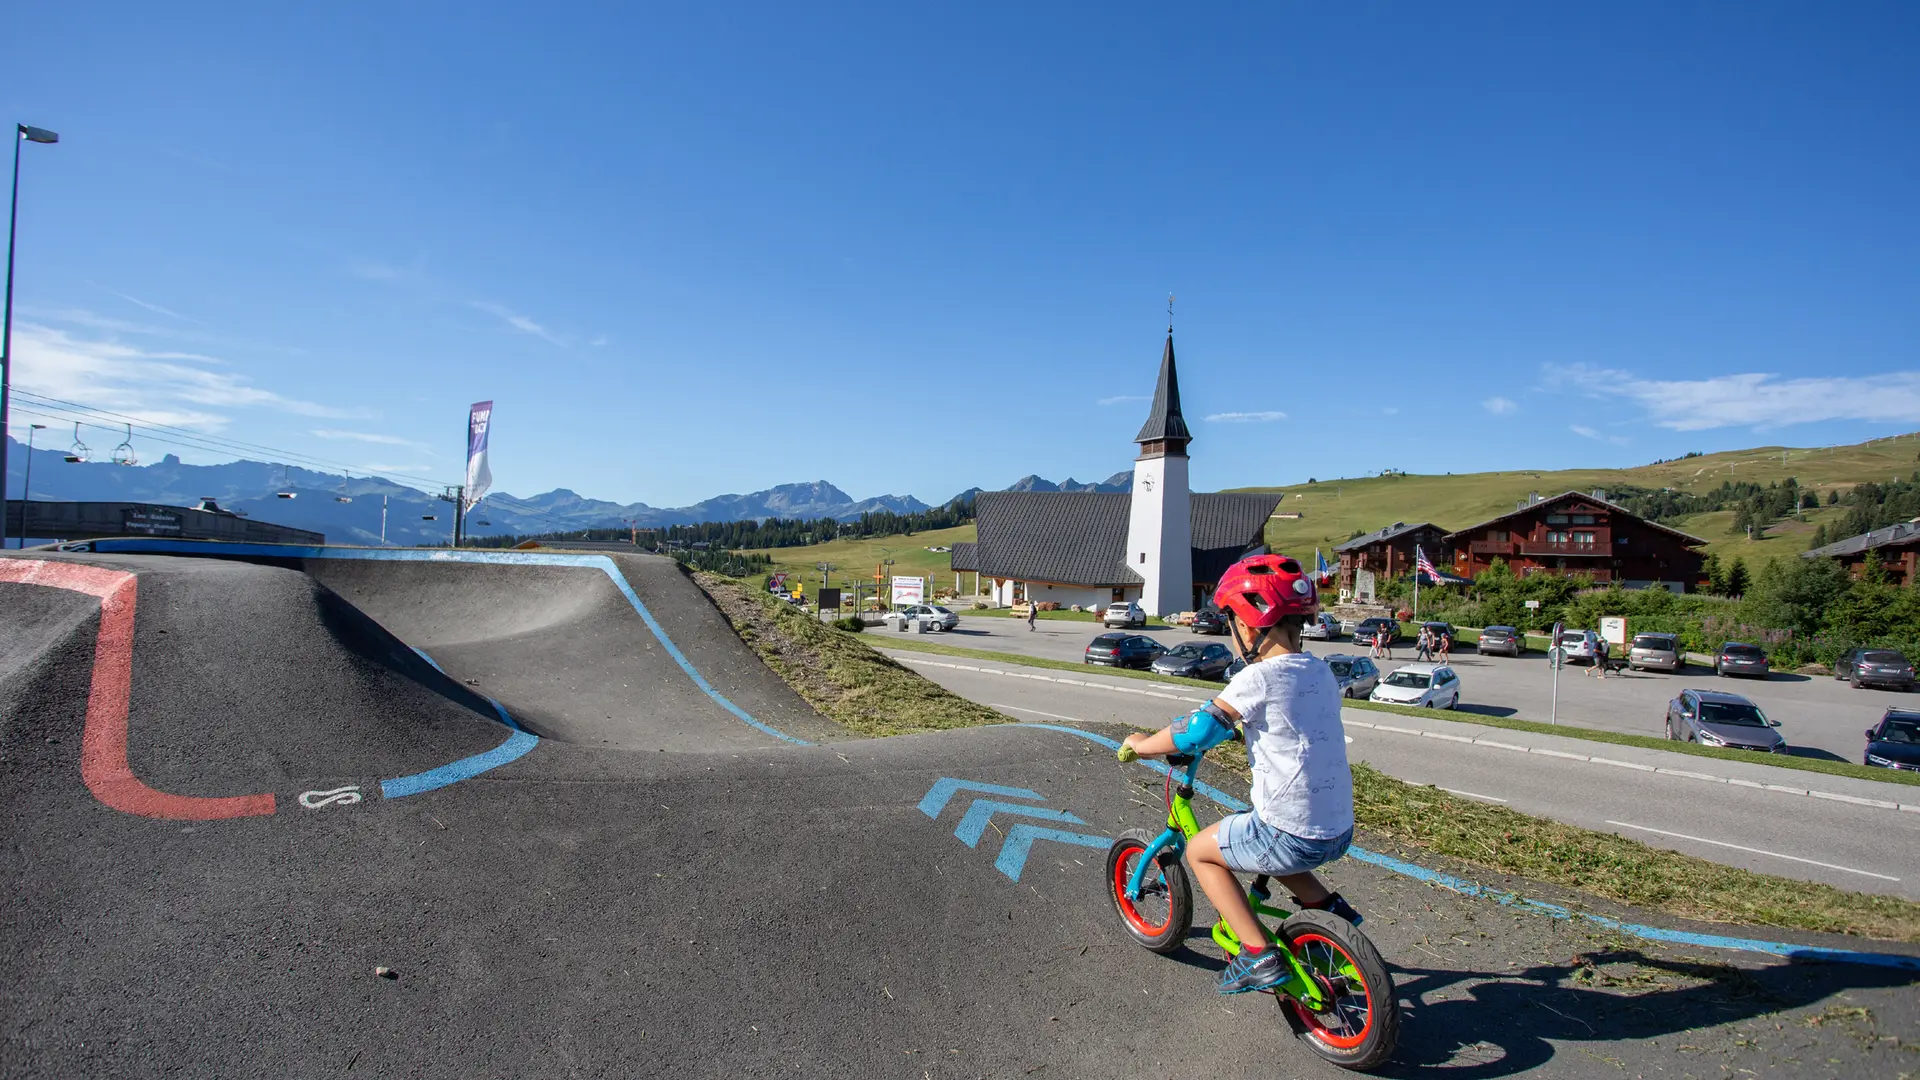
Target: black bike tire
(1173, 936)
(1382, 1034)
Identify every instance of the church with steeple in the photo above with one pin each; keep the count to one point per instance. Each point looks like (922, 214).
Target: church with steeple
(1159, 544)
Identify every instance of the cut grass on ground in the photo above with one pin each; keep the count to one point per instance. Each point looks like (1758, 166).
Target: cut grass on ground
(835, 672)
(1617, 738)
(849, 682)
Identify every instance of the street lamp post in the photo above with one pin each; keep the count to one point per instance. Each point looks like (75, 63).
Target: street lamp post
(26, 488)
(22, 133)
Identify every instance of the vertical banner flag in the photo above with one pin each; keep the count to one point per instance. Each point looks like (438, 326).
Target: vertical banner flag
(479, 476)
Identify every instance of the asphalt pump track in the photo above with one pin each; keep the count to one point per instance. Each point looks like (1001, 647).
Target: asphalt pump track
(436, 815)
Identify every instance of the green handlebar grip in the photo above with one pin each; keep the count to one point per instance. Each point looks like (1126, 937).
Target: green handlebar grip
(1127, 753)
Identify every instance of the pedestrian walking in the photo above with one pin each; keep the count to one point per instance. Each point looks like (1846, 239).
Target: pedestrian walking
(1424, 645)
(1385, 637)
(1033, 613)
(1446, 644)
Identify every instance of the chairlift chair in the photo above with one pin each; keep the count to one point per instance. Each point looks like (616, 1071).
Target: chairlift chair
(79, 452)
(429, 517)
(286, 478)
(123, 454)
(343, 497)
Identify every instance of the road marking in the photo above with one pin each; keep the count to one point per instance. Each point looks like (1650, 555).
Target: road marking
(1753, 850)
(1471, 795)
(343, 796)
(104, 767)
(1037, 712)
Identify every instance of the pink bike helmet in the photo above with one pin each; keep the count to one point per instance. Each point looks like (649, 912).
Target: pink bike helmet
(1260, 590)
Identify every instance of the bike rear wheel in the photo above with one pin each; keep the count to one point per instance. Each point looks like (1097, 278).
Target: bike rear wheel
(1361, 1025)
(1161, 917)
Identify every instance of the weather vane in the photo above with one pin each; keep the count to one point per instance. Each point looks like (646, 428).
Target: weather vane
(1169, 313)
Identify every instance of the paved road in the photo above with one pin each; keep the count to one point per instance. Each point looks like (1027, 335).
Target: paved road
(1820, 717)
(1863, 848)
(228, 795)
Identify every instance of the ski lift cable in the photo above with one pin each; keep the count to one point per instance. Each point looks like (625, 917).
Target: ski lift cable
(79, 451)
(123, 454)
(65, 411)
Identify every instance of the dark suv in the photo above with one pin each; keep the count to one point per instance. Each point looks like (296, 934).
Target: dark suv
(1386, 630)
(1739, 658)
(1123, 650)
(1894, 743)
(1875, 667)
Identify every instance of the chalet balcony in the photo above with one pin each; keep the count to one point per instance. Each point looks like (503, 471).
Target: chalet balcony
(1502, 548)
(1542, 547)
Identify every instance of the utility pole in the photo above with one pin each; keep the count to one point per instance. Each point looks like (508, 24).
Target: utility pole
(826, 572)
(383, 521)
(456, 495)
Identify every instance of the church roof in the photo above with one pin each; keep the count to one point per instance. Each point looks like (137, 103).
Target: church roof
(1164, 421)
(1080, 537)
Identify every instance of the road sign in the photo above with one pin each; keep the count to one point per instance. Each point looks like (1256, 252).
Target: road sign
(779, 580)
(1533, 605)
(1614, 629)
(829, 598)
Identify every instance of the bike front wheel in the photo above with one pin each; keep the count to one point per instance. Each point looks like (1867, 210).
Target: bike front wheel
(1160, 918)
(1360, 1026)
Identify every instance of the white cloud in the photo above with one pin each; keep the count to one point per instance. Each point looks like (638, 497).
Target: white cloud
(1391, 410)
(598, 341)
(151, 386)
(137, 302)
(1246, 417)
(363, 436)
(1760, 400)
(1121, 398)
(1586, 432)
(516, 320)
(1498, 405)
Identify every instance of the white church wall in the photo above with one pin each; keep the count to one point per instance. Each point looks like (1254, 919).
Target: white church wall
(1160, 534)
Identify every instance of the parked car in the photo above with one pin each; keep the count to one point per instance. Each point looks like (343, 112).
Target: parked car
(1654, 652)
(1434, 686)
(1894, 743)
(946, 619)
(1209, 621)
(1578, 645)
(1322, 627)
(1503, 641)
(1126, 613)
(1357, 675)
(1875, 667)
(1739, 658)
(1123, 650)
(1716, 718)
(1386, 630)
(1194, 661)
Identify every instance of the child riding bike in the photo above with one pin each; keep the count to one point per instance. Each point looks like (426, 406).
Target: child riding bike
(1286, 704)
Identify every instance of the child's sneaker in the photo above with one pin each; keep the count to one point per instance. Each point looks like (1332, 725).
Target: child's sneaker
(1335, 905)
(1250, 972)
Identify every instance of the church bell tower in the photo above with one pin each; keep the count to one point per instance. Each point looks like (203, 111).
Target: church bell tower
(1160, 526)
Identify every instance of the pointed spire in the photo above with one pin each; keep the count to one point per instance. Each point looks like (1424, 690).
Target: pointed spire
(1164, 422)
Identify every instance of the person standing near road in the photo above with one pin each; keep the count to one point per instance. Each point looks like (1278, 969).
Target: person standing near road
(1385, 637)
(1423, 645)
(1446, 644)
(1033, 613)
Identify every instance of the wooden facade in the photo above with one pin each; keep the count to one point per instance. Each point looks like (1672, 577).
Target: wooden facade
(1389, 552)
(1896, 548)
(1578, 533)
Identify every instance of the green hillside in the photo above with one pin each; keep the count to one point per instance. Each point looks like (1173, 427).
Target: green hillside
(1332, 509)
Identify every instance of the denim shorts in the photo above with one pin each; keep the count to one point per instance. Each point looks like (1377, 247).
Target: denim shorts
(1252, 846)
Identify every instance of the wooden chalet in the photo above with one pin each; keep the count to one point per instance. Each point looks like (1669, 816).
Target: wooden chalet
(1896, 547)
(1576, 533)
(1388, 552)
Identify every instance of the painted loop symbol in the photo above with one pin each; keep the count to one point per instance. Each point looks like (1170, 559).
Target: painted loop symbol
(344, 796)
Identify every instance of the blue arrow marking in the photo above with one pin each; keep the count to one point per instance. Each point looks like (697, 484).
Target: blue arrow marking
(974, 823)
(943, 790)
(1020, 838)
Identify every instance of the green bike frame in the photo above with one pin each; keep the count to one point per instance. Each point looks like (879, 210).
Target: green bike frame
(1299, 984)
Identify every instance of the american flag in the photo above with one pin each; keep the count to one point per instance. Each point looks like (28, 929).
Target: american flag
(1423, 565)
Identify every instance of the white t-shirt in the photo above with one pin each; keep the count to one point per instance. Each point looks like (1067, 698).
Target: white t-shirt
(1290, 706)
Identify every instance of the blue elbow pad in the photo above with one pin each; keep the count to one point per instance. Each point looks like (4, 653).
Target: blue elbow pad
(1201, 730)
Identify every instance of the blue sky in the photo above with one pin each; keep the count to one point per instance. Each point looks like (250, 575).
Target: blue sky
(710, 248)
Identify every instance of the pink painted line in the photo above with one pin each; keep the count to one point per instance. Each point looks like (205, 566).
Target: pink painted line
(103, 744)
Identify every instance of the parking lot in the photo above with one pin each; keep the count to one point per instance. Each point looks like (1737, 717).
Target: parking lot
(1819, 716)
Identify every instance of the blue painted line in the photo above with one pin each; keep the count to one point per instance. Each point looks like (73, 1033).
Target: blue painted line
(1013, 854)
(511, 558)
(943, 790)
(518, 745)
(1788, 950)
(974, 824)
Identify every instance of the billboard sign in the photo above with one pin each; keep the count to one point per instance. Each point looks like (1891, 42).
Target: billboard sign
(479, 475)
(150, 521)
(829, 598)
(1614, 629)
(909, 590)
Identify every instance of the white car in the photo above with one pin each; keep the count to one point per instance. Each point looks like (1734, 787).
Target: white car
(1577, 645)
(933, 613)
(1127, 614)
(1432, 686)
(1322, 627)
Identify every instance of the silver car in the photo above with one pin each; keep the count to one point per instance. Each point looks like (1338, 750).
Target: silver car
(1322, 627)
(933, 613)
(1357, 675)
(1125, 614)
(1712, 718)
(1654, 652)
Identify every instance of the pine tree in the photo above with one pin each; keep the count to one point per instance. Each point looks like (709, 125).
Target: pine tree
(1716, 574)
(1737, 578)
(1819, 537)
(1833, 497)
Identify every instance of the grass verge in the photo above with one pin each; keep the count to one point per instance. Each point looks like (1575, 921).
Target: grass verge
(1153, 621)
(839, 674)
(835, 671)
(1567, 731)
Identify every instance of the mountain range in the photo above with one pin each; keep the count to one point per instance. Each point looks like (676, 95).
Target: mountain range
(350, 510)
